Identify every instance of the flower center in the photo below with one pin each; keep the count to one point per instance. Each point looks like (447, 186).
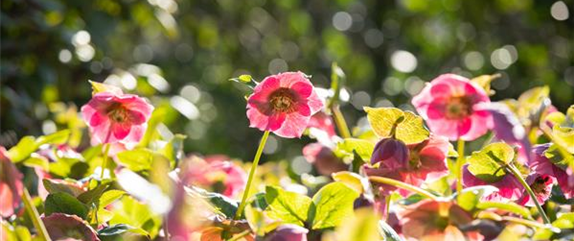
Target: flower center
(282, 100)
(539, 185)
(117, 113)
(458, 107)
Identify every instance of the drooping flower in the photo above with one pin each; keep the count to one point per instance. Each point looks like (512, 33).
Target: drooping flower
(541, 185)
(219, 175)
(283, 104)
(116, 117)
(413, 164)
(542, 165)
(323, 159)
(509, 188)
(11, 186)
(450, 106)
(436, 220)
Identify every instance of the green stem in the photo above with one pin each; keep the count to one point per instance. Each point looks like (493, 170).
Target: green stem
(34, 216)
(518, 176)
(387, 206)
(251, 175)
(240, 235)
(105, 161)
(530, 223)
(459, 163)
(340, 122)
(402, 185)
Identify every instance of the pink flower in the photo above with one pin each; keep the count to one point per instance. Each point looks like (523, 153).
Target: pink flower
(222, 176)
(542, 165)
(114, 117)
(413, 164)
(541, 185)
(323, 159)
(436, 220)
(323, 122)
(450, 106)
(283, 104)
(509, 188)
(11, 186)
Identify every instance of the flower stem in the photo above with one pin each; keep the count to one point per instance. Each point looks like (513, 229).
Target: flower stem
(340, 122)
(34, 216)
(399, 184)
(518, 176)
(251, 175)
(459, 163)
(105, 161)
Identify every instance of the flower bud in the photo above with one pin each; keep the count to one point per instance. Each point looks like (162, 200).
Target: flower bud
(390, 153)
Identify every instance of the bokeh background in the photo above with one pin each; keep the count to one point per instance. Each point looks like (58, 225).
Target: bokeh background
(180, 54)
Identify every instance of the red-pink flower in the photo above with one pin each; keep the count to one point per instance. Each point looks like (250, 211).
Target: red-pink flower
(541, 185)
(450, 106)
(509, 188)
(542, 165)
(11, 186)
(436, 220)
(221, 176)
(283, 104)
(113, 117)
(413, 164)
(323, 122)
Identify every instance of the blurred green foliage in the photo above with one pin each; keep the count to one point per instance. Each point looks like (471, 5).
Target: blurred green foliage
(180, 54)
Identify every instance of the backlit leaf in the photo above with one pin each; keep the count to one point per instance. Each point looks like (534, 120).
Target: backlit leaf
(287, 206)
(489, 163)
(408, 126)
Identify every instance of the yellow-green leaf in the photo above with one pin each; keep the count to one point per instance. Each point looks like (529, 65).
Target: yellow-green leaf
(489, 163)
(408, 127)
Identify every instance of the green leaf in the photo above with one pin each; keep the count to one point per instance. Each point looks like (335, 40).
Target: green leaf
(29, 144)
(62, 202)
(484, 82)
(352, 180)
(258, 221)
(363, 226)
(287, 206)
(137, 215)
(36, 160)
(408, 127)
(225, 205)
(93, 195)
(470, 197)
(99, 87)
(510, 207)
(110, 196)
(363, 148)
(137, 159)
(23, 149)
(114, 229)
(489, 163)
(332, 204)
(55, 186)
(173, 150)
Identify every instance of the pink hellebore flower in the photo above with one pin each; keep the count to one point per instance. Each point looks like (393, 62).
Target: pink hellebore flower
(113, 117)
(222, 176)
(541, 185)
(283, 104)
(542, 165)
(11, 186)
(450, 106)
(413, 164)
(324, 122)
(509, 188)
(323, 159)
(436, 220)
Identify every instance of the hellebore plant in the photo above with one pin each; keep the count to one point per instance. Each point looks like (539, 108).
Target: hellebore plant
(282, 104)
